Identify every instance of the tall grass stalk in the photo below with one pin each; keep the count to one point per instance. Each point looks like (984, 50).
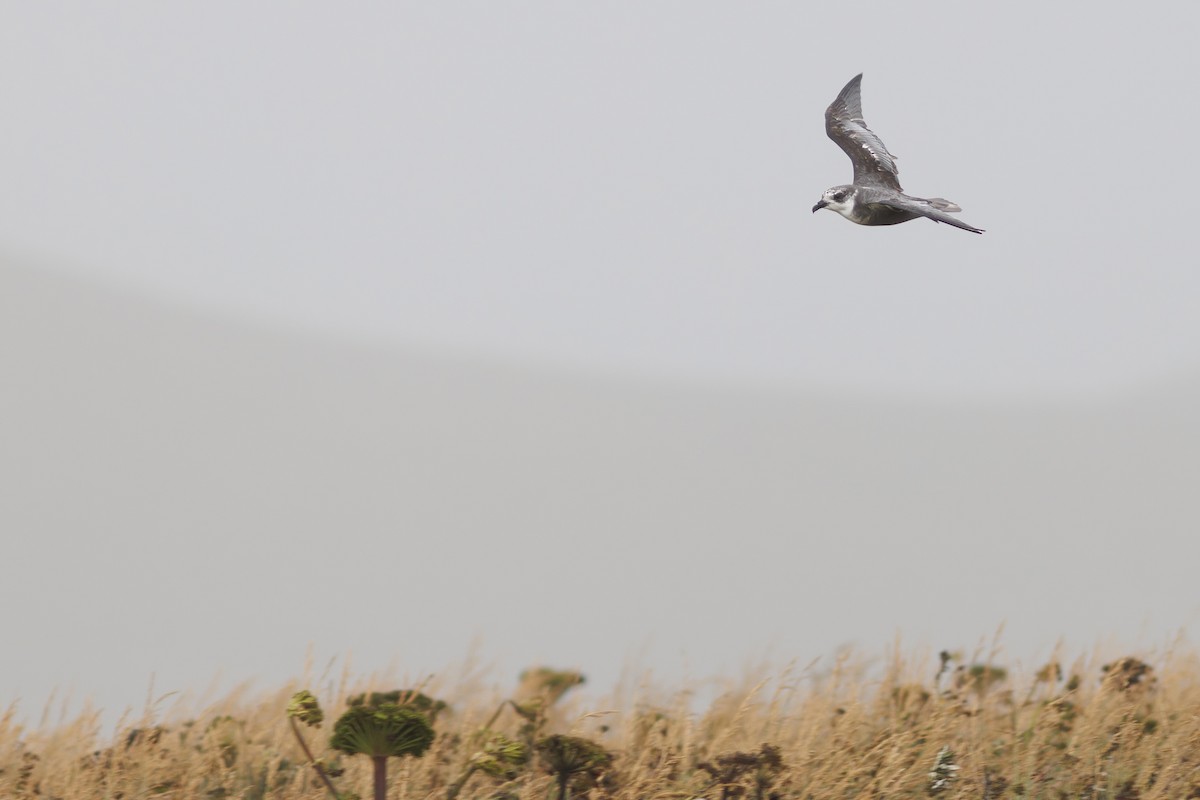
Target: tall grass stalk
(909, 727)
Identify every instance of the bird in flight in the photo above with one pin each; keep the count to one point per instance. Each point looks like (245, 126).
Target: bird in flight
(875, 197)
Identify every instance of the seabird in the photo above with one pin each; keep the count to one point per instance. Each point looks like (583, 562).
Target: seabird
(875, 197)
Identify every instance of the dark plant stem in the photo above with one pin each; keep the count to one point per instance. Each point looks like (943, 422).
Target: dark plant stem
(380, 777)
(944, 658)
(563, 779)
(313, 761)
(495, 716)
(453, 789)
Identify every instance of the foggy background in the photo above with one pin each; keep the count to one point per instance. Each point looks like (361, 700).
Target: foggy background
(390, 330)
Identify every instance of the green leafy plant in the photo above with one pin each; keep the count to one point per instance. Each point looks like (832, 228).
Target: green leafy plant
(539, 690)
(729, 770)
(566, 757)
(411, 698)
(500, 758)
(979, 678)
(381, 732)
(1127, 673)
(549, 684)
(303, 707)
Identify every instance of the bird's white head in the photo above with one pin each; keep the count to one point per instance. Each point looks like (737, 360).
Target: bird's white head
(839, 199)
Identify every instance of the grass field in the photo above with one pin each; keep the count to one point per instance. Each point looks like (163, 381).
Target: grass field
(898, 727)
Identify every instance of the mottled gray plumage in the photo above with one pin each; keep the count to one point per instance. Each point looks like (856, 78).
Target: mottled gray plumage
(875, 197)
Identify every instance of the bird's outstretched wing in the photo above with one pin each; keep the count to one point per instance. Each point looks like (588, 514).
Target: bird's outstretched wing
(873, 164)
(929, 209)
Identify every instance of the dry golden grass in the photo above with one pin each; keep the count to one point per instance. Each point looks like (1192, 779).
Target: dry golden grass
(842, 731)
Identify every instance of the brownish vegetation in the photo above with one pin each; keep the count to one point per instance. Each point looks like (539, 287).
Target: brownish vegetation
(1128, 729)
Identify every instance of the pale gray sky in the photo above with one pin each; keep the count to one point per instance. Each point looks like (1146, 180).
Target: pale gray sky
(629, 184)
(606, 194)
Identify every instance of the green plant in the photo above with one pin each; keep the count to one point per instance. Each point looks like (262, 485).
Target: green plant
(564, 757)
(303, 707)
(1126, 673)
(539, 690)
(382, 732)
(427, 705)
(549, 684)
(500, 758)
(763, 769)
(979, 678)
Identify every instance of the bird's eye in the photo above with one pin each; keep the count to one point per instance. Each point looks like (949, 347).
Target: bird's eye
(839, 196)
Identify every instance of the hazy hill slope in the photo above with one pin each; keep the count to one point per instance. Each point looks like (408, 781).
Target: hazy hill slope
(185, 491)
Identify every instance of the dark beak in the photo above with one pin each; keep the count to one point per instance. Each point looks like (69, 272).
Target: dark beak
(819, 206)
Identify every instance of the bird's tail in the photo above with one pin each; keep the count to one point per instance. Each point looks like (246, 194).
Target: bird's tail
(942, 204)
